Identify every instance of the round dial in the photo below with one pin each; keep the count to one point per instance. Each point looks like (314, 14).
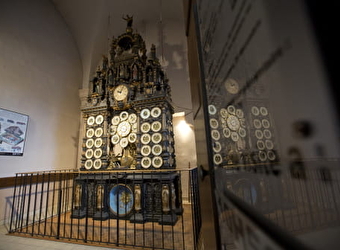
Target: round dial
(120, 92)
(90, 120)
(157, 149)
(157, 162)
(88, 164)
(233, 122)
(124, 128)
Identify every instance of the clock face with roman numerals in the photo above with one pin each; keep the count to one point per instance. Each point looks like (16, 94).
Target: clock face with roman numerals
(120, 92)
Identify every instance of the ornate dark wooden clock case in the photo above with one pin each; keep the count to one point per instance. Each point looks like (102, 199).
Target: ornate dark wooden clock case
(128, 126)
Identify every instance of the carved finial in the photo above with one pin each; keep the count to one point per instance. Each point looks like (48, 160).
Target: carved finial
(129, 20)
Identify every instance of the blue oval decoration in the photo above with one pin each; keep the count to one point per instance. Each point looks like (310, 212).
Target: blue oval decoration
(121, 200)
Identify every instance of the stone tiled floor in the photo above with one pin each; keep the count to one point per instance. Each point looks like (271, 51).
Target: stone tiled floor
(8, 242)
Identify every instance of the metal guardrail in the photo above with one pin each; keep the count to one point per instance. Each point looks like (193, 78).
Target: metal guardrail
(44, 206)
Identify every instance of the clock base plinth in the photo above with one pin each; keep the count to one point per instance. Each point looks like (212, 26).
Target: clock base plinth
(101, 215)
(78, 213)
(168, 219)
(137, 218)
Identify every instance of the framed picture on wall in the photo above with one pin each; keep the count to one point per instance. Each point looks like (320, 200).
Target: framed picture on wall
(13, 128)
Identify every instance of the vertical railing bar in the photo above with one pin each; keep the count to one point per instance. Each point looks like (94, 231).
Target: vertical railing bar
(172, 209)
(181, 203)
(23, 203)
(152, 211)
(47, 200)
(41, 200)
(19, 199)
(67, 199)
(109, 222)
(53, 198)
(102, 206)
(143, 208)
(13, 204)
(320, 191)
(334, 198)
(59, 205)
(192, 191)
(162, 218)
(134, 211)
(72, 204)
(81, 205)
(125, 221)
(117, 205)
(29, 203)
(87, 206)
(35, 202)
(94, 203)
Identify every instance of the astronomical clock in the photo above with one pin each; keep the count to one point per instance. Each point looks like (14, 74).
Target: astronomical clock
(128, 126)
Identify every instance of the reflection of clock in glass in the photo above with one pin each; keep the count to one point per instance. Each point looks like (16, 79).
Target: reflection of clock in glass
(212, 109)
(156, 138)
(156, 126)
(146, 162)
(258, 134)
(231, 109)
(132, 118)
(89, 143)
(120, 92)
(224, 113)
(234, 136)
(231, 86)
(242, 132)
(115, 120)
(146, 138)
(88, 164)
(90, 133)
(98, 142)
(218, 159)
(99, 119)
(98, 132)
(233, 122)
(255, 110)
(215, 134)
(145, 113)
(157, 149)
(97, 163)
(90, 120)
(217, 147)
(262, 156)
(145, 150)
(155, 112)
(257, 123)
(271, 155)
(226, 132)
(260, 145)
(263, 111)
(239, 113)
(124, 128)
(145, 127)
(267, 133)
(98, 153)
(157, 162)
(89, 153)
(213, 123)
(265, 123)
(123, 115)
(269, 144)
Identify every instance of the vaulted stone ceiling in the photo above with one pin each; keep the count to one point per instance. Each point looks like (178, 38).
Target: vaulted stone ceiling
(161, 22)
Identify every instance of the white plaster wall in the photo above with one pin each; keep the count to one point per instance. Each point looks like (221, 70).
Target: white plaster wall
(41, 73)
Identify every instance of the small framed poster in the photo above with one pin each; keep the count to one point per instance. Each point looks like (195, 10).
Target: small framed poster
(13, 128)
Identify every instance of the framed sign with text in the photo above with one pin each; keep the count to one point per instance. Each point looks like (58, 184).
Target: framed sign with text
(13, 128)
